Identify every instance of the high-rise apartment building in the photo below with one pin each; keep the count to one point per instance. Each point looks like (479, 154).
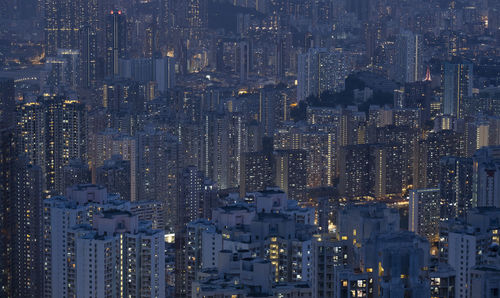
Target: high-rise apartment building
(116, 41)
(157, 175)
(375, 170)
(76, 172)
(63, 70)
(7, 102)
(119, 257)
(320, 70)
(94, 245)
(456, 186)
(407, 277)
(418, 95)
(290, 172)
(256, 171)
(164, 73)
(27, 230)
(485, 281)
(63, 20)
(197, 196)
(355, 164)
(21, 186)
(31, 132)
(7, 165)
(271, 222)
(424, 212)
(486, 183)
(66, 137)
(458, 80)
(108, 143)
(464, 245)
(115, 175)
(359, 223)
(429, 152)
(372, 238)
(273, 108)
(321, 149)
(89, 68)
(409, 58)
(327, 253)
(51, 133)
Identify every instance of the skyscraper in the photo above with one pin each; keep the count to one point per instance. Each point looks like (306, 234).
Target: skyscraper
(270, 102)
(456, 180)
(375, 170)
(115, 175)
(7, 166)
(20, 220)
(290, 172)
(51, 132)
(355, 161)
(164, 73)
(424, 212)
(458, 79)
(116, 41)
(197, 14)
(65, 137)
(193, 202)
(321, 156)
(320, 70)
(244, 61)
(486, 189)
(157, 171)
(31, 132)
(89, 68)
(7, 102)
(63, 70)
(76, 172)
(119, 248)
(409, 58)
(418, 95)
(273, 221)
(406, 277)
(256, 172)
(191, 194)
(27, 238)
(428, 154)
(63, 19)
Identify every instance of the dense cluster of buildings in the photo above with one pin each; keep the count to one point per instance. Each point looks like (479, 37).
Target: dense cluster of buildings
(250, 148)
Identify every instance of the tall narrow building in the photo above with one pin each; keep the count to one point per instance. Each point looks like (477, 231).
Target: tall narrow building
(456, 186)
(116, 41)
(7, 164)
(7, 102)
(409, 58)
(20, 221)
(486, 186)
(424, 212)
(458, 78)
(27, 230)
(190, 198)
(89, 68)
(65, 137)
(290, 172)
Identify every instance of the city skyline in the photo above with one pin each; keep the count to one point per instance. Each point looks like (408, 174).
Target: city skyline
(250, 148)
